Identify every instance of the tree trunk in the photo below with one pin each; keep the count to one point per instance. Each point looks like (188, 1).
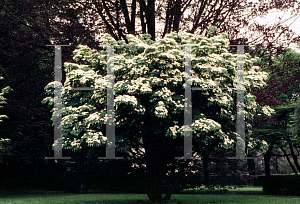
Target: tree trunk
(289, 161)
(155, 190)
(155, 166)
(267, 157)
(170, 191)
(142, 9)
(168, 19)
(130, 22)
(177, 15)
(277, 165)
(131, 30)
(108, 26)
(118, 22)
(82, 189)
(205, 168)
(251, 168)
(294, 157)
(151, 18)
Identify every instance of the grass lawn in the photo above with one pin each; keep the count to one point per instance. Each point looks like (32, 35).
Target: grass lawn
(245, 195)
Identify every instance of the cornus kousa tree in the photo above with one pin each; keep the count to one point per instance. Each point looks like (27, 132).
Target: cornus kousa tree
(149, 98)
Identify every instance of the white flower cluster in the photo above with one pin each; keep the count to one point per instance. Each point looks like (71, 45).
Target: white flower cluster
(164, 92)
(70, 67)
(140, 84)
(169, 54)
(69, 119)
(132, 100)
(133, 88)
(267, 110)
(95, 118)
(95, 137)
(205, 125)
(253, 143)
(87, 76)
(264, 142)
(174, 130)
(140, 109)
(175, 74)
(100, 82)
(252, 102)
(76, 143)
(81, 70)
(155, 80)
(167, 41)
(138, 71)
(255, 79)
(160, 110)
(250, 144)
(203, 82)
(227, 140)
(178, 104)
(218, 69)
(126, 99)
(4, 140)
(225, 99)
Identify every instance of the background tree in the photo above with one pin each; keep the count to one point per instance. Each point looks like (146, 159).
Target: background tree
(281, 94)
(27, 65)
(149, 94)
(235, 17)
(292, 142)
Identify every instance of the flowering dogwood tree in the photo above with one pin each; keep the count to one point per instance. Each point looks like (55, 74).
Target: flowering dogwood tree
(149, 99)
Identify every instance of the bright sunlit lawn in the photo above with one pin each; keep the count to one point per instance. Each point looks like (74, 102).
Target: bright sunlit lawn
(245, 195)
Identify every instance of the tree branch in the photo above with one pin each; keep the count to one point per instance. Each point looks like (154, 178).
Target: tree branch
(142, 10)
(126, 15)
(108, 26)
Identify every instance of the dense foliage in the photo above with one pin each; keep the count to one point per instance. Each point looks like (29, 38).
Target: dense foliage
(282, 94)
